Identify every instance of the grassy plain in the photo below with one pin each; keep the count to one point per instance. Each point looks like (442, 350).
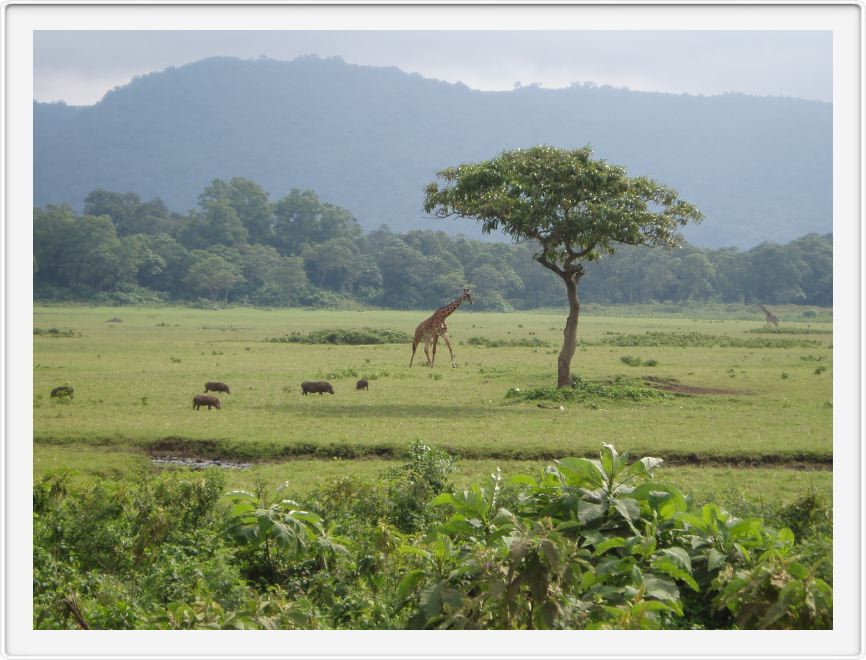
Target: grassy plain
(134, 381)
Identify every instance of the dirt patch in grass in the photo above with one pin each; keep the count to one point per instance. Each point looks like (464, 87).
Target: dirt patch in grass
(675, 387)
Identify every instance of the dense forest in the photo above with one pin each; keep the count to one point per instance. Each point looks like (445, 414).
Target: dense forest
(237, 246)
(370, 138)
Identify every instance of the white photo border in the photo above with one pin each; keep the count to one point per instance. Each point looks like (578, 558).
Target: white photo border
(21, 19)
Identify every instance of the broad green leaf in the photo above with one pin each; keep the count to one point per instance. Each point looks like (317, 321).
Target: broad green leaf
(673, 569)
(307, 516)
(679, 555)
(523, 479)
(785, 537)
(691, 520)
(581, 471)
(604, 546)
(715, 559)
(444, 498)
(242, 509)
(457, 524)
(746, 528)
(610, 461)
(644, 466)
(664, 498)
(744, 552)
(711, 514)
(412, 550)
(660, 588)
(588, 511)
(627, 508)
(409, 582)
(593, 536)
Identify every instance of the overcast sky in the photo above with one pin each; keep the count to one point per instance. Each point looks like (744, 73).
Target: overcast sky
(79, 67)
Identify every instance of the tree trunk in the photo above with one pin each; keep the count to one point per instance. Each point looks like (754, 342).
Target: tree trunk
(569, 343)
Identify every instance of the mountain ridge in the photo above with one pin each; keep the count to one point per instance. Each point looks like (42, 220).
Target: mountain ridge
(370, 138)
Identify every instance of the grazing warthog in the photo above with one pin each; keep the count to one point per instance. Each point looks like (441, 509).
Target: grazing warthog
(320, 386)
(214, 386)
(62, 390)
(362, 385)
(205, 400)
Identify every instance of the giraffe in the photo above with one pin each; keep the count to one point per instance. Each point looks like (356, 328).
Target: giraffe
(772, 319)
(434, 327)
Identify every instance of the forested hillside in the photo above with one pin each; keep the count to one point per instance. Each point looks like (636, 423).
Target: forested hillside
(237, 245)
(369, 139)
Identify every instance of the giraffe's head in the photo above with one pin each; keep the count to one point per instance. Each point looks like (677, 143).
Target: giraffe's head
(466, 296)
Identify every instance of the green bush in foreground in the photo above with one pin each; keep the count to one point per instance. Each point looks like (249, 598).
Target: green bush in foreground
(586, 544)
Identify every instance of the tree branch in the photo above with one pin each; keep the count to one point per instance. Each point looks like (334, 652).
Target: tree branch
(547, 263)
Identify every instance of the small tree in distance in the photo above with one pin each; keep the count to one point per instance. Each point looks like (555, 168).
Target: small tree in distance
(575, 207)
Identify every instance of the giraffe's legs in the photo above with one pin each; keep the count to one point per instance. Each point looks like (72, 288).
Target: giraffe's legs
(450, 350)
(435, 341)
(427, 351)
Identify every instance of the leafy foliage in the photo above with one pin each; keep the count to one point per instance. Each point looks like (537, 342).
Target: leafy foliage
(300, 250)
(585, 544)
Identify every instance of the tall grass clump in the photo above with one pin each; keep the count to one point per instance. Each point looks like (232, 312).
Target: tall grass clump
(522, 342)
(791, 330)
(346, 336)
(701, 340)
(633, 361)
(591, 393)
(56, 332)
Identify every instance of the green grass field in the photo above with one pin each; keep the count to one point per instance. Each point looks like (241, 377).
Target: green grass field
(134, 381)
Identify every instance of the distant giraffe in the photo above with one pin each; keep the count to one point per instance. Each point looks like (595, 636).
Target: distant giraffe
(771, 318)
(434, 327)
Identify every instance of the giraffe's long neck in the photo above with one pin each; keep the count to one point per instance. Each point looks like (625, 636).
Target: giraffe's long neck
(444, 312)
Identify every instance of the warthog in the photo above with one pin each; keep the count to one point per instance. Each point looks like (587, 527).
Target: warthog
(320, 386)
(362, 385)
(62, 390)
(205, 400)
(214, 386)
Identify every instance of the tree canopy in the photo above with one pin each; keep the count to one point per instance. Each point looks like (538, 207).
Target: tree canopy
(575, 207)
(149, 252)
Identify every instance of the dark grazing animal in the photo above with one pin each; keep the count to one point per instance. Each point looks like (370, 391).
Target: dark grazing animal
(362, 385)
(214, 386)
(62, 390)
(205, 400)
(320, 386)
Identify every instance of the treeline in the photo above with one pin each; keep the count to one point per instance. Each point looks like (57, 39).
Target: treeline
(237, 246)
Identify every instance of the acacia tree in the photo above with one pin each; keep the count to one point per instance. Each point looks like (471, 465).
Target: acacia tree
(575, 207)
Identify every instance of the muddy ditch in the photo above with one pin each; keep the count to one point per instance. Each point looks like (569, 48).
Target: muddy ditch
(198, 463)
(201, 454)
